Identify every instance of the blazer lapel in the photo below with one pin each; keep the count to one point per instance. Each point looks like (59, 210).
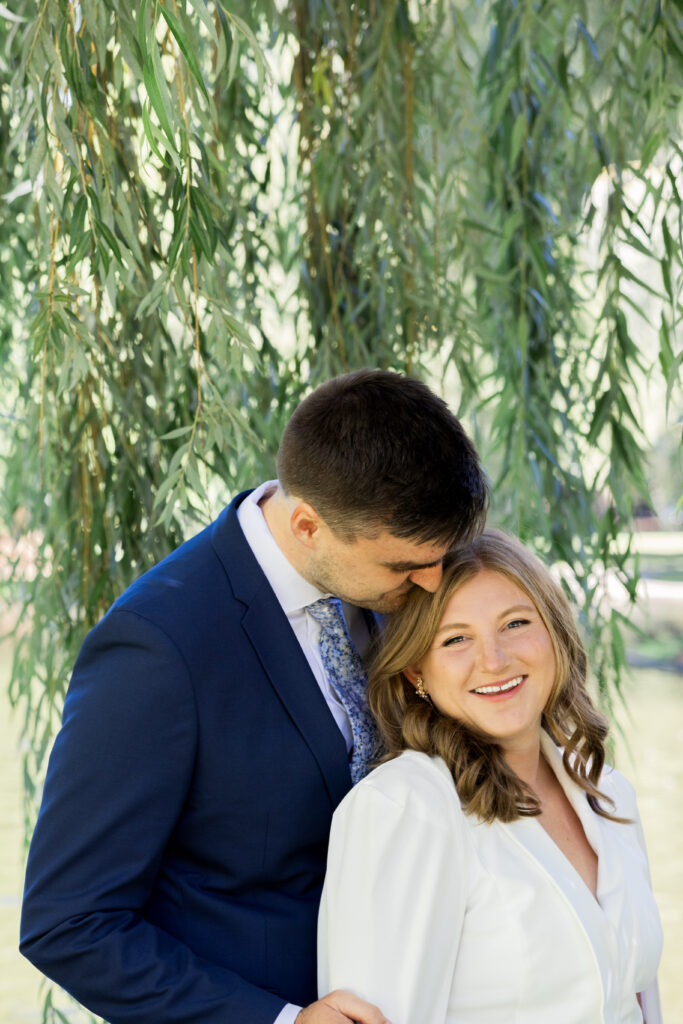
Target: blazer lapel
(530, 834)
(610, 873)
(283, 661)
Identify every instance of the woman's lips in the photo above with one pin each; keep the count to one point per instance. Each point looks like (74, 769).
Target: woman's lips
(500, 689)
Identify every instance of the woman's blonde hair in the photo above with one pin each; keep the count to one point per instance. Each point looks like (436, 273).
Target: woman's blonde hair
(486, 785)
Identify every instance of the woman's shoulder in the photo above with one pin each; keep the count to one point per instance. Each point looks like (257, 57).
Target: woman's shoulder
(413, 781)
(618, 788)
(411, 765)
(612, 783)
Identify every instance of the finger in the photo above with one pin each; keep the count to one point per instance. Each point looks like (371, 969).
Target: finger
(354, 1008)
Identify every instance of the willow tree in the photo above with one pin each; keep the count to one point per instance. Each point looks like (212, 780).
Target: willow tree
(208, 207)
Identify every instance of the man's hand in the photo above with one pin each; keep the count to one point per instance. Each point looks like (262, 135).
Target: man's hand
(340, 1007)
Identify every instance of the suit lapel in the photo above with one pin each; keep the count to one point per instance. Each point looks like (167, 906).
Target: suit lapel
(271, 636)
(285, 665)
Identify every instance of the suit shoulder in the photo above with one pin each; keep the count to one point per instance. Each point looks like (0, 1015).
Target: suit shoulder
(193, 584)
(186, 597)
(173, 573)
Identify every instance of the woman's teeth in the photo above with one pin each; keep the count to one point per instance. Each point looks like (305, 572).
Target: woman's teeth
(502, 688)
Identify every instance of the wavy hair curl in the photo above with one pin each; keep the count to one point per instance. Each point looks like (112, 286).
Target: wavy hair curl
(486, 785)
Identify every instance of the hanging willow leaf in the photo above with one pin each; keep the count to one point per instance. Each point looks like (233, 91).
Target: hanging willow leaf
(157, 90)
(244, 29)
(207, 207)
(185, 47)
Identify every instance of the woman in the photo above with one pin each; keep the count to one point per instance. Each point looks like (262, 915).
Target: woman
(492, 869)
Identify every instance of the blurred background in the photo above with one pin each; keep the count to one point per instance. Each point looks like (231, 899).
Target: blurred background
(207, 208)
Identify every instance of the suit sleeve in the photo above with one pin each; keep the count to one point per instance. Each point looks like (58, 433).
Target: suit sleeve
(118, 776)
(394, 901)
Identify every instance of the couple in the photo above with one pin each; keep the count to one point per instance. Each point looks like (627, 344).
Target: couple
(212, 727)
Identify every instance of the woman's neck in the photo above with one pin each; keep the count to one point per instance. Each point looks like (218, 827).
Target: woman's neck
(529, 765)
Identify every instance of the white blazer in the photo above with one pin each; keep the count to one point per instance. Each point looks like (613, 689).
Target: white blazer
(438, 918)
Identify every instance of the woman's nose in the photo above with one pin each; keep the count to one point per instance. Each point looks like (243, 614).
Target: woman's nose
(492, 654)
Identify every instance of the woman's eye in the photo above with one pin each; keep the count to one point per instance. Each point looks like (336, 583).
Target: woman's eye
(453, 640)
(516, 623)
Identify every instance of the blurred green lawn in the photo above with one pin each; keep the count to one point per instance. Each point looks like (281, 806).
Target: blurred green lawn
(19, 981)
(650, 756)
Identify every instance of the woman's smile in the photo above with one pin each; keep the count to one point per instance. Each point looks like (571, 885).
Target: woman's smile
(502, 689)
(492, 662)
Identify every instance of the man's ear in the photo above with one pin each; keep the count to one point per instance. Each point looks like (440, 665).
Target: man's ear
(305, 524)
(411, 673)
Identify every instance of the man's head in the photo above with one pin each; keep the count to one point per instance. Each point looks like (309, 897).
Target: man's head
(380, 480)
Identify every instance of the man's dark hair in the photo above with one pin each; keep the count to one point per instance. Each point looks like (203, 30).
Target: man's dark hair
(374, 449)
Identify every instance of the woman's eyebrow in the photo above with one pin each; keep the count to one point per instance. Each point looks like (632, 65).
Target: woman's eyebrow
(503, 615)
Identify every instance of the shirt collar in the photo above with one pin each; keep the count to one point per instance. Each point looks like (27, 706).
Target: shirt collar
(291, 589)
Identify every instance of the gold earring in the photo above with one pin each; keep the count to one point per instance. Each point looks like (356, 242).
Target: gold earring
(420, 689)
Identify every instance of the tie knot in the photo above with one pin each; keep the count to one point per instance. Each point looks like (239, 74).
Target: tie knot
(328, 612)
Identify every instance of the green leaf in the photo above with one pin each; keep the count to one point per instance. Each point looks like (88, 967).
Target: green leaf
(142, 30)
(518, 136)
(167, 485)
(201, 8)
(650, 150)
(177, 432)
(666, 278)
(199, 200)
(185, 48)
(157, 91)
(496, 277)
(109, 238)
(178, 238)
(478, 225)
(124, 223)
(668, 241)
(673, 378)
(78, 218)
(151, 133)
(600, 414)
(79, 253)
(241, 25)
(151, 299)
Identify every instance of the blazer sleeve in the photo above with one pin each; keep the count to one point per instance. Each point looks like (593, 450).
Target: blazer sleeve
(118, 776)
(626, 805)
(651, 1003)
(394, 897)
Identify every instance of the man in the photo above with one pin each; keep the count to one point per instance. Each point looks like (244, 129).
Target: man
(175, 871)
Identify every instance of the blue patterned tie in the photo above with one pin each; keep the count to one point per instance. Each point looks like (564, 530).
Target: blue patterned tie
(346, 674)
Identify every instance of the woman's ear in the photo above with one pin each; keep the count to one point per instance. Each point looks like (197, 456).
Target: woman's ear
(411, 673)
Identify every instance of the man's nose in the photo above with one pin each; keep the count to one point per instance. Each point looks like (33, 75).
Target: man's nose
(428, 578)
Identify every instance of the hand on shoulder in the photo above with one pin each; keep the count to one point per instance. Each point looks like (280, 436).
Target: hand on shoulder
(339, 1007)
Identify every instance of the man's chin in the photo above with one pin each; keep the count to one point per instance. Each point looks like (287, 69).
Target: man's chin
(388, 603)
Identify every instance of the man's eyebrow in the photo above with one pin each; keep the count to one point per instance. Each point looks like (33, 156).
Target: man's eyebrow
(411, 566)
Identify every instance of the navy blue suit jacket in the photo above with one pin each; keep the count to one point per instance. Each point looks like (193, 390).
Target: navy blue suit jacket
(177, 863)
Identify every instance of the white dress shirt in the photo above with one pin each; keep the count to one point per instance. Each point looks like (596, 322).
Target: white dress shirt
(439, 918)
(294, 593)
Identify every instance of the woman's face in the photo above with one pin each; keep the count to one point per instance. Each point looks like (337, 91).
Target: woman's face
(491, 664)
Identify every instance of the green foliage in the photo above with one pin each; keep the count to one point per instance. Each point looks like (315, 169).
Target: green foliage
(207, 207)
